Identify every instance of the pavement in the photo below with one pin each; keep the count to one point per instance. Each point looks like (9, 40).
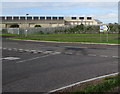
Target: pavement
(30, 66)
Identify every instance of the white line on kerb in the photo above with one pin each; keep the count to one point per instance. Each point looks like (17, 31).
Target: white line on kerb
(82, 82)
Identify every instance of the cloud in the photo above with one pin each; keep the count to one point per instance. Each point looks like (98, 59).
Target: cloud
(109, 16)
(60, 1)
(99, 10)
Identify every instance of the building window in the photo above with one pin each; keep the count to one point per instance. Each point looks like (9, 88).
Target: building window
(35, 18)
(74, 18)
(9, 18)
(42, 18)
(29, 18)
(15, 18)
(54, 18)
(81, 18)
(22, 18)
(89, 18)
(3, 18)
(61, 18)
(48, 18)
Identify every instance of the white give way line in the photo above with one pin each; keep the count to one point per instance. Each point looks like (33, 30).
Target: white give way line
(9, 58)
(39, 57)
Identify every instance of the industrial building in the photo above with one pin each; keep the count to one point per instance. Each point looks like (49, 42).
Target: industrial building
(45, 21)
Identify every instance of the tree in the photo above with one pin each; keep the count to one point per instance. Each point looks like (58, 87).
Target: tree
(14, 26)
(37, 25)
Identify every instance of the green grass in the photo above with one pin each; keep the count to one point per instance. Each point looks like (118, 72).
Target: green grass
(91, 40)
(104, 86)
(67, 35)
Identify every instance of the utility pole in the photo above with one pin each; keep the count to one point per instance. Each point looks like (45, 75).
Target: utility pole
(26, 31)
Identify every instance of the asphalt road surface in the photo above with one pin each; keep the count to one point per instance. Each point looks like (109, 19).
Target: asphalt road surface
(42, 67)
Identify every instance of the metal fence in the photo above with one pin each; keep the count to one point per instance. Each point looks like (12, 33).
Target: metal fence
(35, 30)
(50, 30)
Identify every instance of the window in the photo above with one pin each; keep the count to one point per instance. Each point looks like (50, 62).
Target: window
(9, 18)
(61, 18)
(15, 18)
(42, 18)
(35, 18)
(81, 18)
(22, 18)
(2, 18)
(74, 18)
(48, 18)
(29, 18)
(89, 18)
(54, 18)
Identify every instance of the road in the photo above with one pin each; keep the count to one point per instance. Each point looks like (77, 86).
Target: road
(42, 67)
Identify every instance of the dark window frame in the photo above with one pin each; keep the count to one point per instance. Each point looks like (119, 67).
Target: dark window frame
(42, 18)
(89, 18)
(73, 18)
(81, 18)
(54, 18)
(48, 18)
(9, 18)
(61, 18)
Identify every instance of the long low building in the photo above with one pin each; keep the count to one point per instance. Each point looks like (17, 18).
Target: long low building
(45, 21)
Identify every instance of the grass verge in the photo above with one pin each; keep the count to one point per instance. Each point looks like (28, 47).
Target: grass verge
(61, 37)
(66, 35)
(99, 86)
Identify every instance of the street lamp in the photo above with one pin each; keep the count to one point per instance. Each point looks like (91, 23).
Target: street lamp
(26, 31)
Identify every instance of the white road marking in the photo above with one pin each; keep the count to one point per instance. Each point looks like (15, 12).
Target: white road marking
(68, 53)
(92, 55)
(35, 58)
(55, 53)
(4, 48)
(77, 83)
(35, 52)
(32, 51)
(14, 48)
(103, 56)
(20, 49)
(47, 52)
(39, 51)
(115, 56)
(9, 49)
(26, 50)
(10, 58)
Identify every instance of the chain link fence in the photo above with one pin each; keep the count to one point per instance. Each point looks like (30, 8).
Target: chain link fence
(51, 30)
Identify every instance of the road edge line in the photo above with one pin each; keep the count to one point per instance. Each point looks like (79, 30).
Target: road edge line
(71, 85)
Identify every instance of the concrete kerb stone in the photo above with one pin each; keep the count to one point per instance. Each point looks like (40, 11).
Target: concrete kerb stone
(67, 42)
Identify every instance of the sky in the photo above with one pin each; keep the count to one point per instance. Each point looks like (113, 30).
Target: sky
(107, 12)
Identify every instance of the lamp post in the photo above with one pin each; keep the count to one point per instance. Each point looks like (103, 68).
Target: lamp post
(26, 31)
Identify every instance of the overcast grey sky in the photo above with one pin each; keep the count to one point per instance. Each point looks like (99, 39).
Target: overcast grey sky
(107, 12)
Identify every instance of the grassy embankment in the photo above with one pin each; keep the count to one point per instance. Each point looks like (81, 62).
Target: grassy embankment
(60, 37)
(107, 85)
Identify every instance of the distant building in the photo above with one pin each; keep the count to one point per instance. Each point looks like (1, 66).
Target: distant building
(45, 21)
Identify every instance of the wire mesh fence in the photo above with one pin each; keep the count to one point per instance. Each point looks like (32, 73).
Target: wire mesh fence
(51, 30)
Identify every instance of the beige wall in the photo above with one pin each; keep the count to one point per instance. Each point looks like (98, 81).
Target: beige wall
(66, 18)
(2, 25)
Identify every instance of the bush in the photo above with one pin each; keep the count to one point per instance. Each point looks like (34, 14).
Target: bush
(14, 26)
(37, 25)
